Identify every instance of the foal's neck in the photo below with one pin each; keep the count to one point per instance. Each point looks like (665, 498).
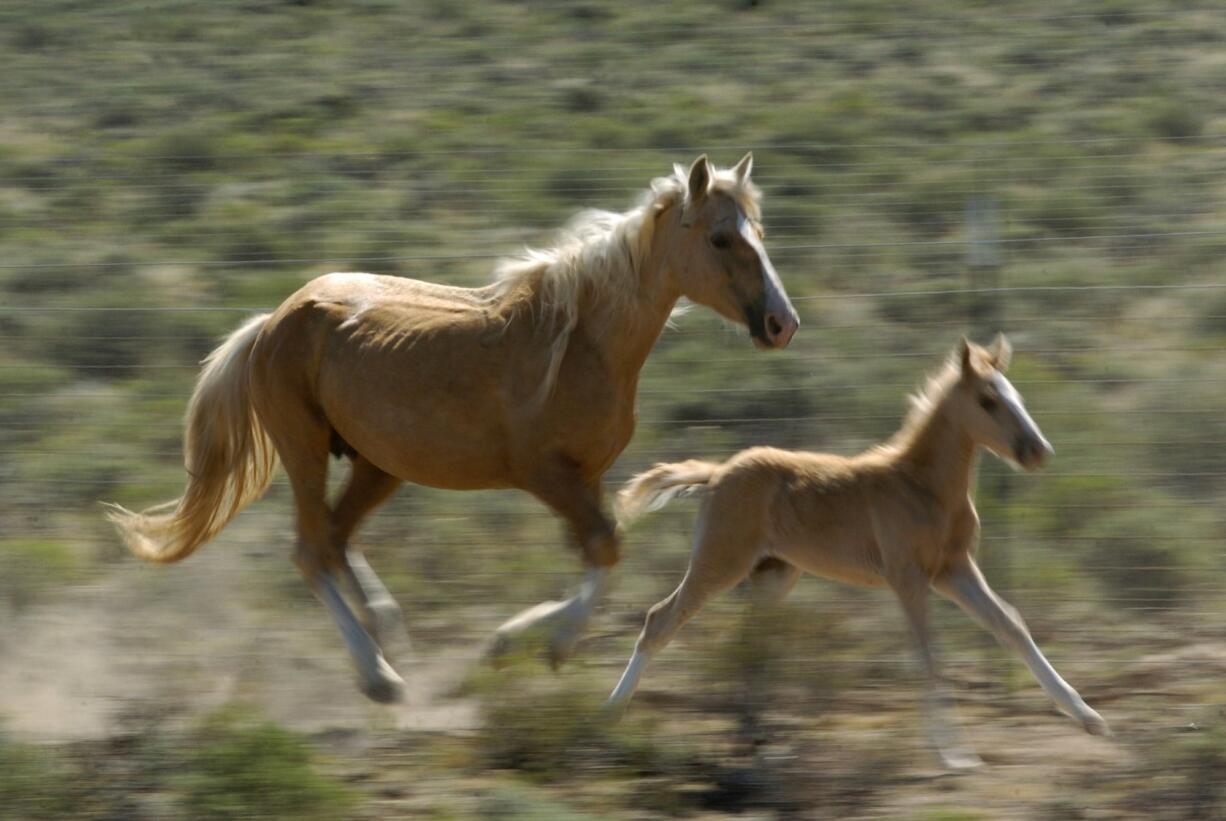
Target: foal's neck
(942, 456)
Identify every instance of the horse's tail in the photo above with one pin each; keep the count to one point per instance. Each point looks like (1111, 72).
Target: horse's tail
(655, 488)
(228, 455)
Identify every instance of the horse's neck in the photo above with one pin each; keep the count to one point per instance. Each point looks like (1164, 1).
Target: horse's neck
(625, 331)
(942, 457)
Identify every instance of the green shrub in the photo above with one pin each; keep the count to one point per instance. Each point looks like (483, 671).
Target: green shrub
(242, 768)
(30, 567)
(33, 783)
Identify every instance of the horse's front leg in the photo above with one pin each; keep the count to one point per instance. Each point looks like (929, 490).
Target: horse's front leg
(560, 624)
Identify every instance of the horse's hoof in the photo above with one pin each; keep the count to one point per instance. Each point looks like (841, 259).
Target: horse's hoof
(555, 624)
(497, 650)
(560, 649)
(612, 710)
(961, 758)
(1094, 724)
(386, 686)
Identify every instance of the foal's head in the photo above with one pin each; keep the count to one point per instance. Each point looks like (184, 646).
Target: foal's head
(991, 410)
(719, 260)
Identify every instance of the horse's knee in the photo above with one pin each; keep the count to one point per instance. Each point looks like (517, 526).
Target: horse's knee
(603, 549)
(313, 561)
(657, 628)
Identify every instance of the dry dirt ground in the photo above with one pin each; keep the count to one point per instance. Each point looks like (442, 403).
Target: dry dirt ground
(183, 641)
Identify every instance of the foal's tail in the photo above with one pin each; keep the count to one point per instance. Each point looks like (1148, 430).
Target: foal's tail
(228, 455)
(654, 489)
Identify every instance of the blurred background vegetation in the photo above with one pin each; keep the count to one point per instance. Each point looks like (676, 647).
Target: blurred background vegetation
(1054, 171)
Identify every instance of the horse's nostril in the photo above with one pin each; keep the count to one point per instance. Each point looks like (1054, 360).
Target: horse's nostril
(773, 326)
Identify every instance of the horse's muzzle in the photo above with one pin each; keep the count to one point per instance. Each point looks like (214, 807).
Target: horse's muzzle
(1032, 452)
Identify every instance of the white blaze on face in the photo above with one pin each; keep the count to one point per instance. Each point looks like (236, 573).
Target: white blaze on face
(1012, 400)
(777, 302)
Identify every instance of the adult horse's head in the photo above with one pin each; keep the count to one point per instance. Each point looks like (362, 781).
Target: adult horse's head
(720, 261)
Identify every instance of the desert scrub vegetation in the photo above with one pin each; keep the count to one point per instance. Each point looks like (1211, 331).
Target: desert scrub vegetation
(168, 169)
(232, 764)
(240, 766)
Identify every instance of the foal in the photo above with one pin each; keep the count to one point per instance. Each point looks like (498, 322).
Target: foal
(899, 514)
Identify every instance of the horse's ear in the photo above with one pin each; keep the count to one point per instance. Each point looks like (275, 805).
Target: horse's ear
(966, 357)
(1001, 352)
(745, 167)
(700, 178)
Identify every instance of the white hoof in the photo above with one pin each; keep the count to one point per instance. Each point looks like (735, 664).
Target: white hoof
(1093, 723)
(960, 758)
(555, 624)
(384, 685)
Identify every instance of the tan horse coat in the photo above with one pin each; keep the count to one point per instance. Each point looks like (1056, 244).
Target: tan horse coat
(526, 383)
(899, 515)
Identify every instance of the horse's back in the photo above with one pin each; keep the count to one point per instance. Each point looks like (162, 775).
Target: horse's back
(401, 370)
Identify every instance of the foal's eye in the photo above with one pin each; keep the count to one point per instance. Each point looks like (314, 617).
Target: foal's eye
(988, 403)
(721, 241)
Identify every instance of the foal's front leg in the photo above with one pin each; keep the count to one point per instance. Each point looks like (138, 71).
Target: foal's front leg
(965, 586)
(560, 624)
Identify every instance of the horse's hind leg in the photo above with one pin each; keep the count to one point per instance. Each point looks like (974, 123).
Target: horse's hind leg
(368, 487)
(302, 441)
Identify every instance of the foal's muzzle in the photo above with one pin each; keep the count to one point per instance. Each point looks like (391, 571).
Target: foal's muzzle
(1032, 452)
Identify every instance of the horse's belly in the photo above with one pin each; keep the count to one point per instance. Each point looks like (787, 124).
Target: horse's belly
(843, 557)
(439, 450)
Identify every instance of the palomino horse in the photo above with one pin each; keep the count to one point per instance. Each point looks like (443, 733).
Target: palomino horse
(526, 383)
(899, 514)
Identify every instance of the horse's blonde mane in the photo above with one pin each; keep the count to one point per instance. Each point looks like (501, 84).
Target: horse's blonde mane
(601, 253)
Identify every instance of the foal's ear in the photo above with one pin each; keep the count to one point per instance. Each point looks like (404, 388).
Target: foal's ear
(966, 357)
(744, 167)
(700, 178)
(1001, 352)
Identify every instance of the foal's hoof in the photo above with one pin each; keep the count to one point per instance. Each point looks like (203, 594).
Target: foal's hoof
(612, 711)
(961, 758)
(386, 686)
(1094, 724)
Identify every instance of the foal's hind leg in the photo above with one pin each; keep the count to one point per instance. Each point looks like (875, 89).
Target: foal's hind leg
(966, 587)
(912, 590)
(368, 488)
(724, 555)
(768, 584)
(562, 623)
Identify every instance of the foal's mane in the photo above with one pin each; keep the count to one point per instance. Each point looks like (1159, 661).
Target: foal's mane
(601, 253)
(924, 404)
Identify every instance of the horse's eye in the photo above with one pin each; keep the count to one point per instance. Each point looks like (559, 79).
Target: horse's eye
(721, 241)
(988, 403)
